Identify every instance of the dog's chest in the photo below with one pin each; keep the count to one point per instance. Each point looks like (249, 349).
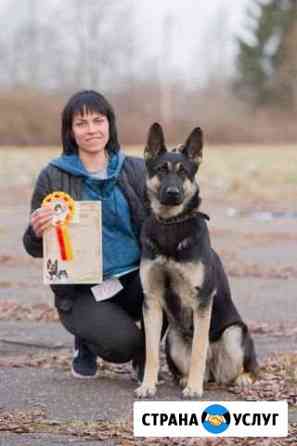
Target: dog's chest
(176, 284)
(174, 244)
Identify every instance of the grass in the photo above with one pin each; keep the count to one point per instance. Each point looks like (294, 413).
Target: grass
(240, 172)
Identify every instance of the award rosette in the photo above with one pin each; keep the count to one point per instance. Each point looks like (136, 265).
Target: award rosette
(64, 207)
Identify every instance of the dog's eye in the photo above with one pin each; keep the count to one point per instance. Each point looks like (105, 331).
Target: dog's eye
(163, 168)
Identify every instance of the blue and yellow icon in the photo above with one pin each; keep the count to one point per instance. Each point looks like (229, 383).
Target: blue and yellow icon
(216, 418)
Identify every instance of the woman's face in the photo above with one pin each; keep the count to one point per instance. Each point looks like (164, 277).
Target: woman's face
(90, 131)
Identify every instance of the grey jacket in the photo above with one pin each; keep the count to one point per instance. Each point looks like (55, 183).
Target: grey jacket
(131, 181)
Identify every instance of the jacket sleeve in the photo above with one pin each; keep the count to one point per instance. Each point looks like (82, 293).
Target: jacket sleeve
(132, 181)
(33, 244)
(139, 177)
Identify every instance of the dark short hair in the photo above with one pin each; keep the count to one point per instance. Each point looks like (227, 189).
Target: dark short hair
(91, 101)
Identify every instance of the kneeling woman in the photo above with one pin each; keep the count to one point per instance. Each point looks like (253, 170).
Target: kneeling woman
(93, 167)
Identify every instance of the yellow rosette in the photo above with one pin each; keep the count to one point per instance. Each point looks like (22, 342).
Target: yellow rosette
(63, 206)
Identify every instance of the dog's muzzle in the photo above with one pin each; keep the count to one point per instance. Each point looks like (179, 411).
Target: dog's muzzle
(171, 196)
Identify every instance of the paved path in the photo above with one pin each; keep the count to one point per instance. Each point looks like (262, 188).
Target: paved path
(264, 296)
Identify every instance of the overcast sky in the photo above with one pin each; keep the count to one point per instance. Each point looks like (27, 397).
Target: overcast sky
(178, 32)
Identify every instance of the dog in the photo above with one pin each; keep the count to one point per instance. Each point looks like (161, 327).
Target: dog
(53, 270)
(183, 277)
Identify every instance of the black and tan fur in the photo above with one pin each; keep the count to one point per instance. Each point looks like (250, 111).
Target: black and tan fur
(183, 276)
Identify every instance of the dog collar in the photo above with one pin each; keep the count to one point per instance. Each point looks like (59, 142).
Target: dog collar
(181, 218)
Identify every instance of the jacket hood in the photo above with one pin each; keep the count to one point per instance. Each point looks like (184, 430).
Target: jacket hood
(73, 165)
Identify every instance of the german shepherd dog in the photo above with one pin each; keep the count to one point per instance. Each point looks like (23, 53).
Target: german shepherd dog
(183, 277)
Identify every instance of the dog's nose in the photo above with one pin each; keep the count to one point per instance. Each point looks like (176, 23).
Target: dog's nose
(172, 192)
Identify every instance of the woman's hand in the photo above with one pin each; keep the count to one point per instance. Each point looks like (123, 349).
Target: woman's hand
(41, 220)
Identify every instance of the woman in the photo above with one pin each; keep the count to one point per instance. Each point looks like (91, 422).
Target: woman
(92, 167)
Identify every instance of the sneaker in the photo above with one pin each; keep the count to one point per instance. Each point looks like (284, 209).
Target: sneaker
(84, 362)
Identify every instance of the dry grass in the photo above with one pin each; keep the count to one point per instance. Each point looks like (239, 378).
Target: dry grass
(252, 173)
(247, 173)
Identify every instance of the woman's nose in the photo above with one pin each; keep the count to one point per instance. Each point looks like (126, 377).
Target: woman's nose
(91, 127)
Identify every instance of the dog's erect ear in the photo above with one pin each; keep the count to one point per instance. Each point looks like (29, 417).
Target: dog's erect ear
(155, 142)
(193, 146)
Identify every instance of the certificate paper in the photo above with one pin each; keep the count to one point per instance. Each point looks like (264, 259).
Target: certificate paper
(85, 237)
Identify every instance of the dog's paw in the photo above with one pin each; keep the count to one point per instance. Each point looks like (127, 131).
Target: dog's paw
(192, 392)
(145, 391)
(244, 380)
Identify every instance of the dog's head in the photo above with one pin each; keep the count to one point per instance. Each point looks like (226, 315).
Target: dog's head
(52, 267)
(171, 180)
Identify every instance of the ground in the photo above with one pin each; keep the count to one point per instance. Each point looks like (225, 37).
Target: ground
(250, 195)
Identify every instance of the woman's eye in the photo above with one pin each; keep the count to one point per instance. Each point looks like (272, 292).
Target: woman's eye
(99, 120)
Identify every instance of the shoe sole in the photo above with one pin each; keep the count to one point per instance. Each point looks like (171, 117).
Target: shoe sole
(79, 376)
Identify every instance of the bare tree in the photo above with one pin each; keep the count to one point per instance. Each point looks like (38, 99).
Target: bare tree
(216, 44)
(72, 45)
(102, 40)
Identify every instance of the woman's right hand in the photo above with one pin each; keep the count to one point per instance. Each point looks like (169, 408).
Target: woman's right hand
(41, 220)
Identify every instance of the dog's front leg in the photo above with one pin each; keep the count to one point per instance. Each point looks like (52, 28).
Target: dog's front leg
(152, 315)
(201, 321)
